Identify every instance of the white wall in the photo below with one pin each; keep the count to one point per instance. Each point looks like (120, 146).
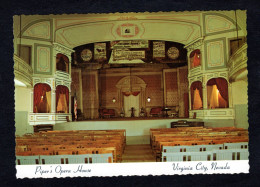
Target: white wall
(240, 103)
(22, 108)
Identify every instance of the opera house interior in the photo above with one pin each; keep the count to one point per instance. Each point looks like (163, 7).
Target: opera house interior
(135, 87)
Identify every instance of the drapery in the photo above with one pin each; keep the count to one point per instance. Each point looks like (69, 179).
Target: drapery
(48, 98)
(222, 86)
(197, 103)
(62, 63)
(59, 91)
(39, 92)
(129, 102)
(195, 58)
(62, 104)
(130, 93)
(213, 101)
(196, 85)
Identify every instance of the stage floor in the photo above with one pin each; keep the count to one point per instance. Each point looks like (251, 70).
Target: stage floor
(132, 118)
(133, 126)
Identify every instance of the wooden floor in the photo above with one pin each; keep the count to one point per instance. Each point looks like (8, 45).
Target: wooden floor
(138, 153)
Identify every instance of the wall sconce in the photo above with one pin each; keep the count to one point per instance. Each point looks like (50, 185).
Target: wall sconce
(114, 100)
(148, 99)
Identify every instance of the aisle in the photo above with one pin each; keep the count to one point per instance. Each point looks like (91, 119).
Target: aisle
(138, 153)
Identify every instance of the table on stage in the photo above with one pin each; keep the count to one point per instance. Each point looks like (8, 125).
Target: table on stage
(165, 110)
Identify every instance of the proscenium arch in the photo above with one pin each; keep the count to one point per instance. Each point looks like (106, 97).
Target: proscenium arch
(134, 84)
(107, 29)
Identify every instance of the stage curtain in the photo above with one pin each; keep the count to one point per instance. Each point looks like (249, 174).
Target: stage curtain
(196, 85)
(62, 90)
(40, 90)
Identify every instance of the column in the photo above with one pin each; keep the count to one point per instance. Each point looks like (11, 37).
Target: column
(53, 99)
(32, 102)
(204, 92)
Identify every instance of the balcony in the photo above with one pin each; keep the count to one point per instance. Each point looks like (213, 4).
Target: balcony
(22, 71)
(237, 64)
(48, 118)
(219, 113)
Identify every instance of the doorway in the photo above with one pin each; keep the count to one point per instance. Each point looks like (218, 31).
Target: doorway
(129, 102)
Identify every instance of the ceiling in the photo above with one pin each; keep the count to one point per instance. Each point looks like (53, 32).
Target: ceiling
(78, 29)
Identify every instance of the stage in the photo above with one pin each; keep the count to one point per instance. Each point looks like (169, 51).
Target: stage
(137, 129)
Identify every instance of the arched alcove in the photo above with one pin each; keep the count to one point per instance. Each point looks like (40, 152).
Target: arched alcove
(62, 99)
(217, 93)
(42, 98)
(131, 85)
(62, 63)
(196, 95)
(195, 58)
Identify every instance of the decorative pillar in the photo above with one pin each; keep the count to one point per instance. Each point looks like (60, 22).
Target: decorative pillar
(32, 100)
(230, 98)
(189, 95)
(204, 93)
(53, 97)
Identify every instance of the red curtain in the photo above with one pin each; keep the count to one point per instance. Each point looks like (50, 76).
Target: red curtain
(195, 85)
(40, 90)
(222, 86)
(129, 93)
(197, 51)
(196, 60)
(62, 90)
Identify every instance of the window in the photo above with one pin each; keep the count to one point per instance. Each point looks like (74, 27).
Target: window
(217, 89)
(42, 98)
(195, 58)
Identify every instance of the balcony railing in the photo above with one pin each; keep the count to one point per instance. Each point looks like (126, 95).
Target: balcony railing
(238, 62)
(22, 70)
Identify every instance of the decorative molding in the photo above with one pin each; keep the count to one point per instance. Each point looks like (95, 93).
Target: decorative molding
(222, 74)
(215, 53)
(220, 113)
(135, 82)
(28, 33)
(62, 75)
(194, 44)
(48, 81)
(59, 48)
(221, 18)
(47, 118)
(195, 78)
(63, 83)
(42, 59)
(195, 71)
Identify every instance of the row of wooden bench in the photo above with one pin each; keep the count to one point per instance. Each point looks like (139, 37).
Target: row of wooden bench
(73, 143)
(190, 136)
(65, 159)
